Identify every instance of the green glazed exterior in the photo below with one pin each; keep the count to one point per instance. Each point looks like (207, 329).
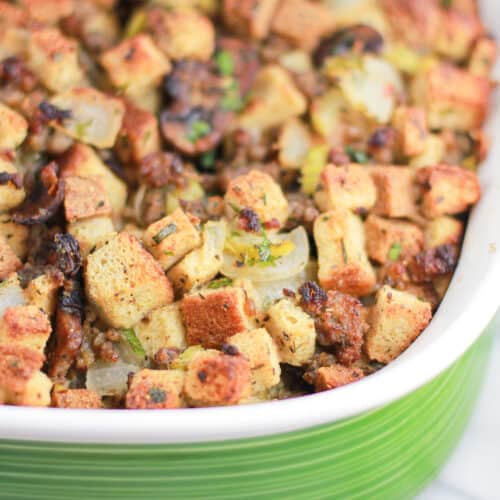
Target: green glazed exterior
(389, 453)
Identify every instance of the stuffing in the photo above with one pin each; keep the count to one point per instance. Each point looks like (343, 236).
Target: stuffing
(433, 153)
(411, 129)
(46, 11)
(12, 15)
(76, 398)
(331, 377)
(13, 130)
(483, 56)
(124, 282)
(41, 292)
(16, 235)
(12, 192)
(9, 262)
(90, 232)
(444, 230)
(84, 198)
(294, 143)
(249, 17)
(397, 319)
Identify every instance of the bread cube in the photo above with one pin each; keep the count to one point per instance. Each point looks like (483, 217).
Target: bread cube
(397, 319)
(41, 292)
(293, 332)
(392, 239)
(331, 377)
(483, 56)
(163, 327)
(13, 130)
(447, 190)
(348, 186)
(171, 238)
(294, 142)
(258, 347)
(433, 153)
(303, 22)
(12, 15)
(82, 161)
(16, 235)
(212, 316)
(343, 263)
(396, 192)
(217, 379)
(90, 232)
(250, 18)
(9, 261)
(84, 198)
(155, 389)
(444, 230)
(202, 264)
(47, 11)
(125, 282)
(411, 127)
(11, 194)
(260, 192)
(76, 398)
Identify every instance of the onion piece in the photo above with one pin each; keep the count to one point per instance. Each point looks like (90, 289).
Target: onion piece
(109, 379)
(11, 294)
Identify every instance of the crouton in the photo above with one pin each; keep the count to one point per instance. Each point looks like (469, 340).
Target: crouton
(90, 232)
(258, 347)
(343, 262)
(348, 186)
(202, 264)
(54, 59)
(16, 235)
(483, 56)
(293, 332)
(303, 22)
(76, 398)
(411, 128)
(163, 327)
(155, 389)
(84, 198)
(212, 316)
(25, 326)
(447, 189)
(171, 238)
(444, 230)
(294, 143)
(9, 261)
(217, 379)
(139, 135)
(13, 40)
(260, 192)
(396, 193)
(274, 100)
(125, 282)
(392, 239)
(47, 11)
(82, 161)
(12, 15)
(135, 62)
(397, 319)
(250, 18)
(13, 129)
(433, 153)
(41, 292)
(11, 193)
(331, 377)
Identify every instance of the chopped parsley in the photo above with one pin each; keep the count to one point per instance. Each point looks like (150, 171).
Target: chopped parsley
(163, 233)
(395, 251)
(344, 251)
(225, 62)
(220, 283)
(81, 128)
(232, 100)
(207, 159)
(157, 395)
(356, 156)
(446, 4)
(198, 129)
(135, 344)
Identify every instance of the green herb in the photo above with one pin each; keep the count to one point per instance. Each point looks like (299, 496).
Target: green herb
(225, 62)
(264, 249)
(446, 4)
(356, 155)
(100, 203)
(222, 282)
(81, 128)
(344, 251)
(169, 253)
(157, 395)
(235, 233)
(198, 129)
(395, 251)
(163, 233)
(264, 198)
(207, 159)
(232, 100)
(134, 343)
(234, 207)
(147, 136)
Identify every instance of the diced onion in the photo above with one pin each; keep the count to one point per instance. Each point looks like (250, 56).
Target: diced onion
(11, 294)
(109, 379)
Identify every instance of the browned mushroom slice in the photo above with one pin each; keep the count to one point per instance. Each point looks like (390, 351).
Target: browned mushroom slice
(159, 169)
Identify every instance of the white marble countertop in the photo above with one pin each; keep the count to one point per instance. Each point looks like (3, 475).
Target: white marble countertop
(473, 471)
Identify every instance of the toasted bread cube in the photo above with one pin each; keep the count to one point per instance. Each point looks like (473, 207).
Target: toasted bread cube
(82, 161)
(391, 239)
(348, 186)
(171, 238)
(411, 127)
(13, 129)
(261, 193)
(11, 195)
(41, 292)
(54, 59)
(274, 100)
(84, 198)
(293, 332)
(260, 350)
(343, 262)
(76, 398)
(90, 232)
(12, 15)
(217, 379)
(396, 194)
(303, 22)
(9, 261)
(47, 11)
(447, 189)
(294, 143)
(397, 319)
(433, 153)
(250, 18)
(16, 235)
(26, 326)
(331, 377)
(444, 230)
(212, 316)
(125, 282)
(135, 62)
(155, 389)
(483, 56)
(163, 327)
(202, 264)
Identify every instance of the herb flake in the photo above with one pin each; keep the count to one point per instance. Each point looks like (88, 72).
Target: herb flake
(395, 251)
(225, 62)
(135, 344)
(220, 283)
(198, 129)
(357, 156)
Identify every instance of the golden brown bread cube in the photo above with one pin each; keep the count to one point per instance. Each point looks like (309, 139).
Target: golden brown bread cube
(171, 238)
(217, 379)
(433, 153)
(292, 331)
(343, 263)
(11, 194)
(212, 316)
(41, 292)
(12, 15)
(84, 198)
(76, 398)
(333, 376)
(444, 230)
(260, 192)
(260, 350)
(392, 239)
(9, 262)
(16, 235)
(155, 389)
(250, 18)
(90, 232)
(13, 130)
(447, 189)
(303, 22)
(47, 11)
(348, 186)
(124, 282)
(397, 319)
(410, 124)
(483, 56)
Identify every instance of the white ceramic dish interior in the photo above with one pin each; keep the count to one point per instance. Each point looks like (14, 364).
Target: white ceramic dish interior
(469, 305)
